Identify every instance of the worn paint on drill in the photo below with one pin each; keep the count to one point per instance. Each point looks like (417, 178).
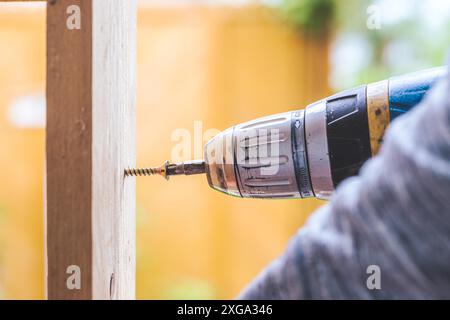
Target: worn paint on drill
(378, 113)
(407, 91)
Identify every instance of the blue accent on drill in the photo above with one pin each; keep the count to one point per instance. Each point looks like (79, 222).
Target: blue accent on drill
(407, 91)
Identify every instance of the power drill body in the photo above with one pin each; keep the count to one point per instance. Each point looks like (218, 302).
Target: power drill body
(308, 153)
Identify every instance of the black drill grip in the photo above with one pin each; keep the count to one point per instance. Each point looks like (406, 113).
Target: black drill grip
(347, 132)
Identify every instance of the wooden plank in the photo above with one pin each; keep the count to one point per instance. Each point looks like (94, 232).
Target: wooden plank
(90, 207)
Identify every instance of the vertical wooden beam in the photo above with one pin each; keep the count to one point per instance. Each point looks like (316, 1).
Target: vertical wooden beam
(90, 207)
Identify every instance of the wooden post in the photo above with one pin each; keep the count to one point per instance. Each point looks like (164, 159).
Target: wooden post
(90, 208)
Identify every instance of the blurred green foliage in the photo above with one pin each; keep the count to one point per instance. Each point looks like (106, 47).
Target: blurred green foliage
(191, 289)
(418, 46)
(314, 17)
(409, 37)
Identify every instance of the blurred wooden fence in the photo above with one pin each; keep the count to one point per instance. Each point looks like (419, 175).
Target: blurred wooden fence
(219, 66)
(22, 73)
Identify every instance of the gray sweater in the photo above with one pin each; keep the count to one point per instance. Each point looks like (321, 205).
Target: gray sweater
(386, 233)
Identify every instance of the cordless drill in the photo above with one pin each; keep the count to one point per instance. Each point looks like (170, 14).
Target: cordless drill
(305, 153)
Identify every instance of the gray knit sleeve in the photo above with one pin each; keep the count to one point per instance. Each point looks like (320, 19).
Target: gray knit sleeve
(393, 220)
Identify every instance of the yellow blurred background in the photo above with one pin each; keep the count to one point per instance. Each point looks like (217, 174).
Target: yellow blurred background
(199, 68)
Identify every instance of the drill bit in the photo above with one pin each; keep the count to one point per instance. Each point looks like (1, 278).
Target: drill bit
(170, 169)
